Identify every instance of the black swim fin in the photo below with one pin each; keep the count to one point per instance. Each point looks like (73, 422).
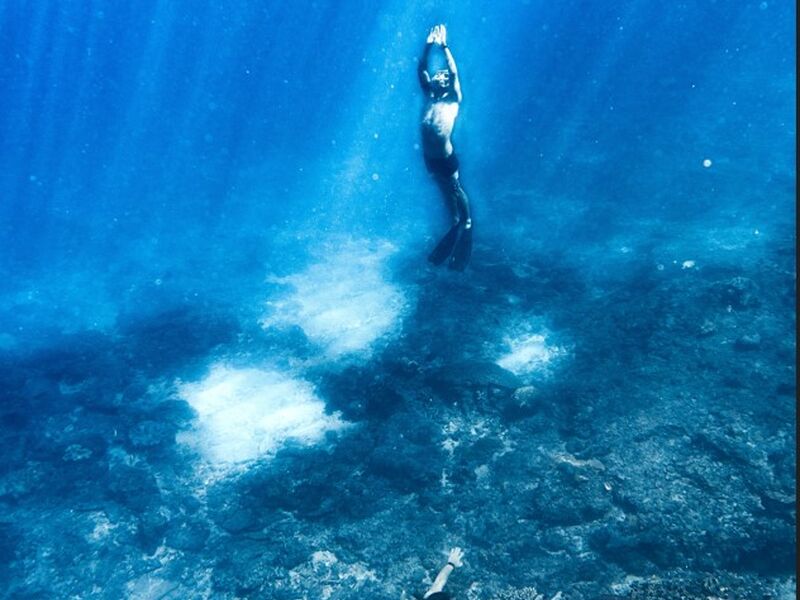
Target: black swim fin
(445, 246)
(462, 252)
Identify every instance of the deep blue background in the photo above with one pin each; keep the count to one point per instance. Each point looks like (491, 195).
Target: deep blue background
(121, 121)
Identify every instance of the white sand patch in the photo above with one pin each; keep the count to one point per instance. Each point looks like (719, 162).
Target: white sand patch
(103, 527)
(344, 302)
(529, 353)
(245, 414)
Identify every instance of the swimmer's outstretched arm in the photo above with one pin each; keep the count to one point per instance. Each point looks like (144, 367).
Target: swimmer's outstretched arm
(451, 62)
(422, 66)
(453, 561)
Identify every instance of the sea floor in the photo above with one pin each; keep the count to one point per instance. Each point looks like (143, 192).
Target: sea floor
(612, 421)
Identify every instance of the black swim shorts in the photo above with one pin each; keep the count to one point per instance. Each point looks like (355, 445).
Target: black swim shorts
(442, 166)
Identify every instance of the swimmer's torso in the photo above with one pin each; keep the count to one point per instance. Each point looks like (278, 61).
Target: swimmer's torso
(437, 127)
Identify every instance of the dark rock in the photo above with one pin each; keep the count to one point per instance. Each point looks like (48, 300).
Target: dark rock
(570, 496)
(34, 478)
(473, 374)
(407, 467)
(187, 534)
(719, 585)
(724, 447)
(738, 292)
(248, 569)
(167, 339)
(768, 547)
(133, 487)
(748, 342)
(633, 546)
(234, 517)
(78, 475)
(403, 368)
(77, 358)
(322, 486)
(147, 434)
(358, 394)
(481, 451)
(151, 528)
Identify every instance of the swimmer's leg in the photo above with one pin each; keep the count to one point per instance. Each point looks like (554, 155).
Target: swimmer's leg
(450, 197)
(463, 248)
(461, 201)
(459, 246)
(444, 248)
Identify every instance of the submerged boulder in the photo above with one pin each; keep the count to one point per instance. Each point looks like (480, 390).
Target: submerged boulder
(525, 401)
(474, 374)
(738, 292)
(748, 342)
(149, 434)
(187, 534)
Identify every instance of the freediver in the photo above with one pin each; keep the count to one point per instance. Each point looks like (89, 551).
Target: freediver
(443, 96)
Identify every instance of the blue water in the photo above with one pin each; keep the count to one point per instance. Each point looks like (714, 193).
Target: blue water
(229, 370)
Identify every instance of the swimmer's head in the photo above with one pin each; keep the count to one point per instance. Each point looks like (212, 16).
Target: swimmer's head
(440, 81)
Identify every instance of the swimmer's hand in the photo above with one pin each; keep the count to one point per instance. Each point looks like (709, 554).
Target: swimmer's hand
(433, 36)
(437, 35)
(455, 556)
